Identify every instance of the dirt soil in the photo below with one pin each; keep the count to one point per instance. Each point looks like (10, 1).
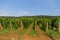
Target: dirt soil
(25, 36)
(57, 38)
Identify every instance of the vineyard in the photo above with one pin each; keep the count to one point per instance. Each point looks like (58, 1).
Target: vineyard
(30, 28)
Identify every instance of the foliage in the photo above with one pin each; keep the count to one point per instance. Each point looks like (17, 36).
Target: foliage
(41, 20)
(26, 22)
(53, 33)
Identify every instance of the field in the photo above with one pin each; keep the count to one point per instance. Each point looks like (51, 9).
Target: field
(27, 34)
(29, 28)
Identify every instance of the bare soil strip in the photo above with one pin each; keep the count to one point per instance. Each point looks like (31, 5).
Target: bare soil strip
(13, 36)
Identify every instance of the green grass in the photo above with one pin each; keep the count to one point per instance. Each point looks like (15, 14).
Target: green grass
(21, 32)
(4, 31)
(53, 33)
(33, 32)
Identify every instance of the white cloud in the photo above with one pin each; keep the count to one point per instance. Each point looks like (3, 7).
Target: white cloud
(19, 13)
(23, 13)
(3, 13)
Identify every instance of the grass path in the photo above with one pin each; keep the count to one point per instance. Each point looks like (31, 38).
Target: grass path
(43, 36)
(26, 36)
(29, 28)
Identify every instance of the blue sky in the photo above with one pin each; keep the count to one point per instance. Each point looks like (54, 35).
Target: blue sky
(29, 7)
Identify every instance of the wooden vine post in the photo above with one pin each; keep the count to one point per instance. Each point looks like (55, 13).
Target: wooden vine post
(35, 25)
(22, 27)
(59, 27)
(0, 26)
(47, 27)
(10, 25)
